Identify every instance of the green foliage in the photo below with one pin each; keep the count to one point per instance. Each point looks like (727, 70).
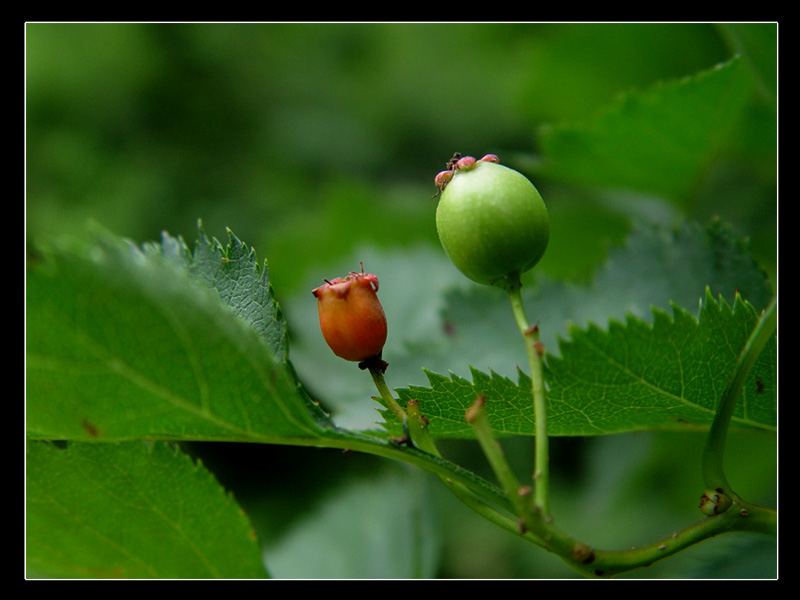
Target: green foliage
(132, 511)
(658, 141)
(318, 144)
(209, 366)
(124, 343)
(633, 376)
(638, 376)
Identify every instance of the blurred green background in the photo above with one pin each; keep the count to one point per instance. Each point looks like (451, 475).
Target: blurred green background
(309, 141)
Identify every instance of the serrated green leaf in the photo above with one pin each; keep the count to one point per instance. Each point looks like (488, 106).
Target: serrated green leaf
(234, 273)
(637, 376)
(659, 140)
(666, 375)
(447, 399)
(758, 44)
(125, 344)
(657, 266)
(128, 511)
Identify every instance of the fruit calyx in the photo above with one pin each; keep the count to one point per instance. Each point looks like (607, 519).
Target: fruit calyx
(455, 164)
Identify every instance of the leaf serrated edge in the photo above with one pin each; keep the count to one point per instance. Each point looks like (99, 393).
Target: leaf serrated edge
(239, 250)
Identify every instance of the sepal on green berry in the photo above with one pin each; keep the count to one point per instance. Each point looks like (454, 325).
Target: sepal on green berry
(465, 163)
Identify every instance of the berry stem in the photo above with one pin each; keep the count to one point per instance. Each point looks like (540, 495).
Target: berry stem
(535, 350)
(477, 418)
(532, 523)
(380, 383)
(422, 440)
(418, 429)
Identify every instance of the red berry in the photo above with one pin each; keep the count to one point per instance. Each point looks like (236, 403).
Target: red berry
(351, 316)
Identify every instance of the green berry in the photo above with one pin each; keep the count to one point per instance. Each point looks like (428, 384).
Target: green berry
(492, 222)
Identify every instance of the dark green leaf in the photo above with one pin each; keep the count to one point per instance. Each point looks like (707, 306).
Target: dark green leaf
(758, 44)
(659, 141)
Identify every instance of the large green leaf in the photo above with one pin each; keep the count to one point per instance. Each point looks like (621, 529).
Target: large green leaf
(632, 375)
(131, 510)
(124, 343)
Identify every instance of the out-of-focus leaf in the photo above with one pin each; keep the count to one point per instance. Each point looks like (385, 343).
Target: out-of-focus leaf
(658, 141)
(372, 528)
(758, 44)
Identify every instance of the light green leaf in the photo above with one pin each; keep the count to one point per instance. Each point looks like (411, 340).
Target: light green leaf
(128, 511)
(634, 375)
(371, 528)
